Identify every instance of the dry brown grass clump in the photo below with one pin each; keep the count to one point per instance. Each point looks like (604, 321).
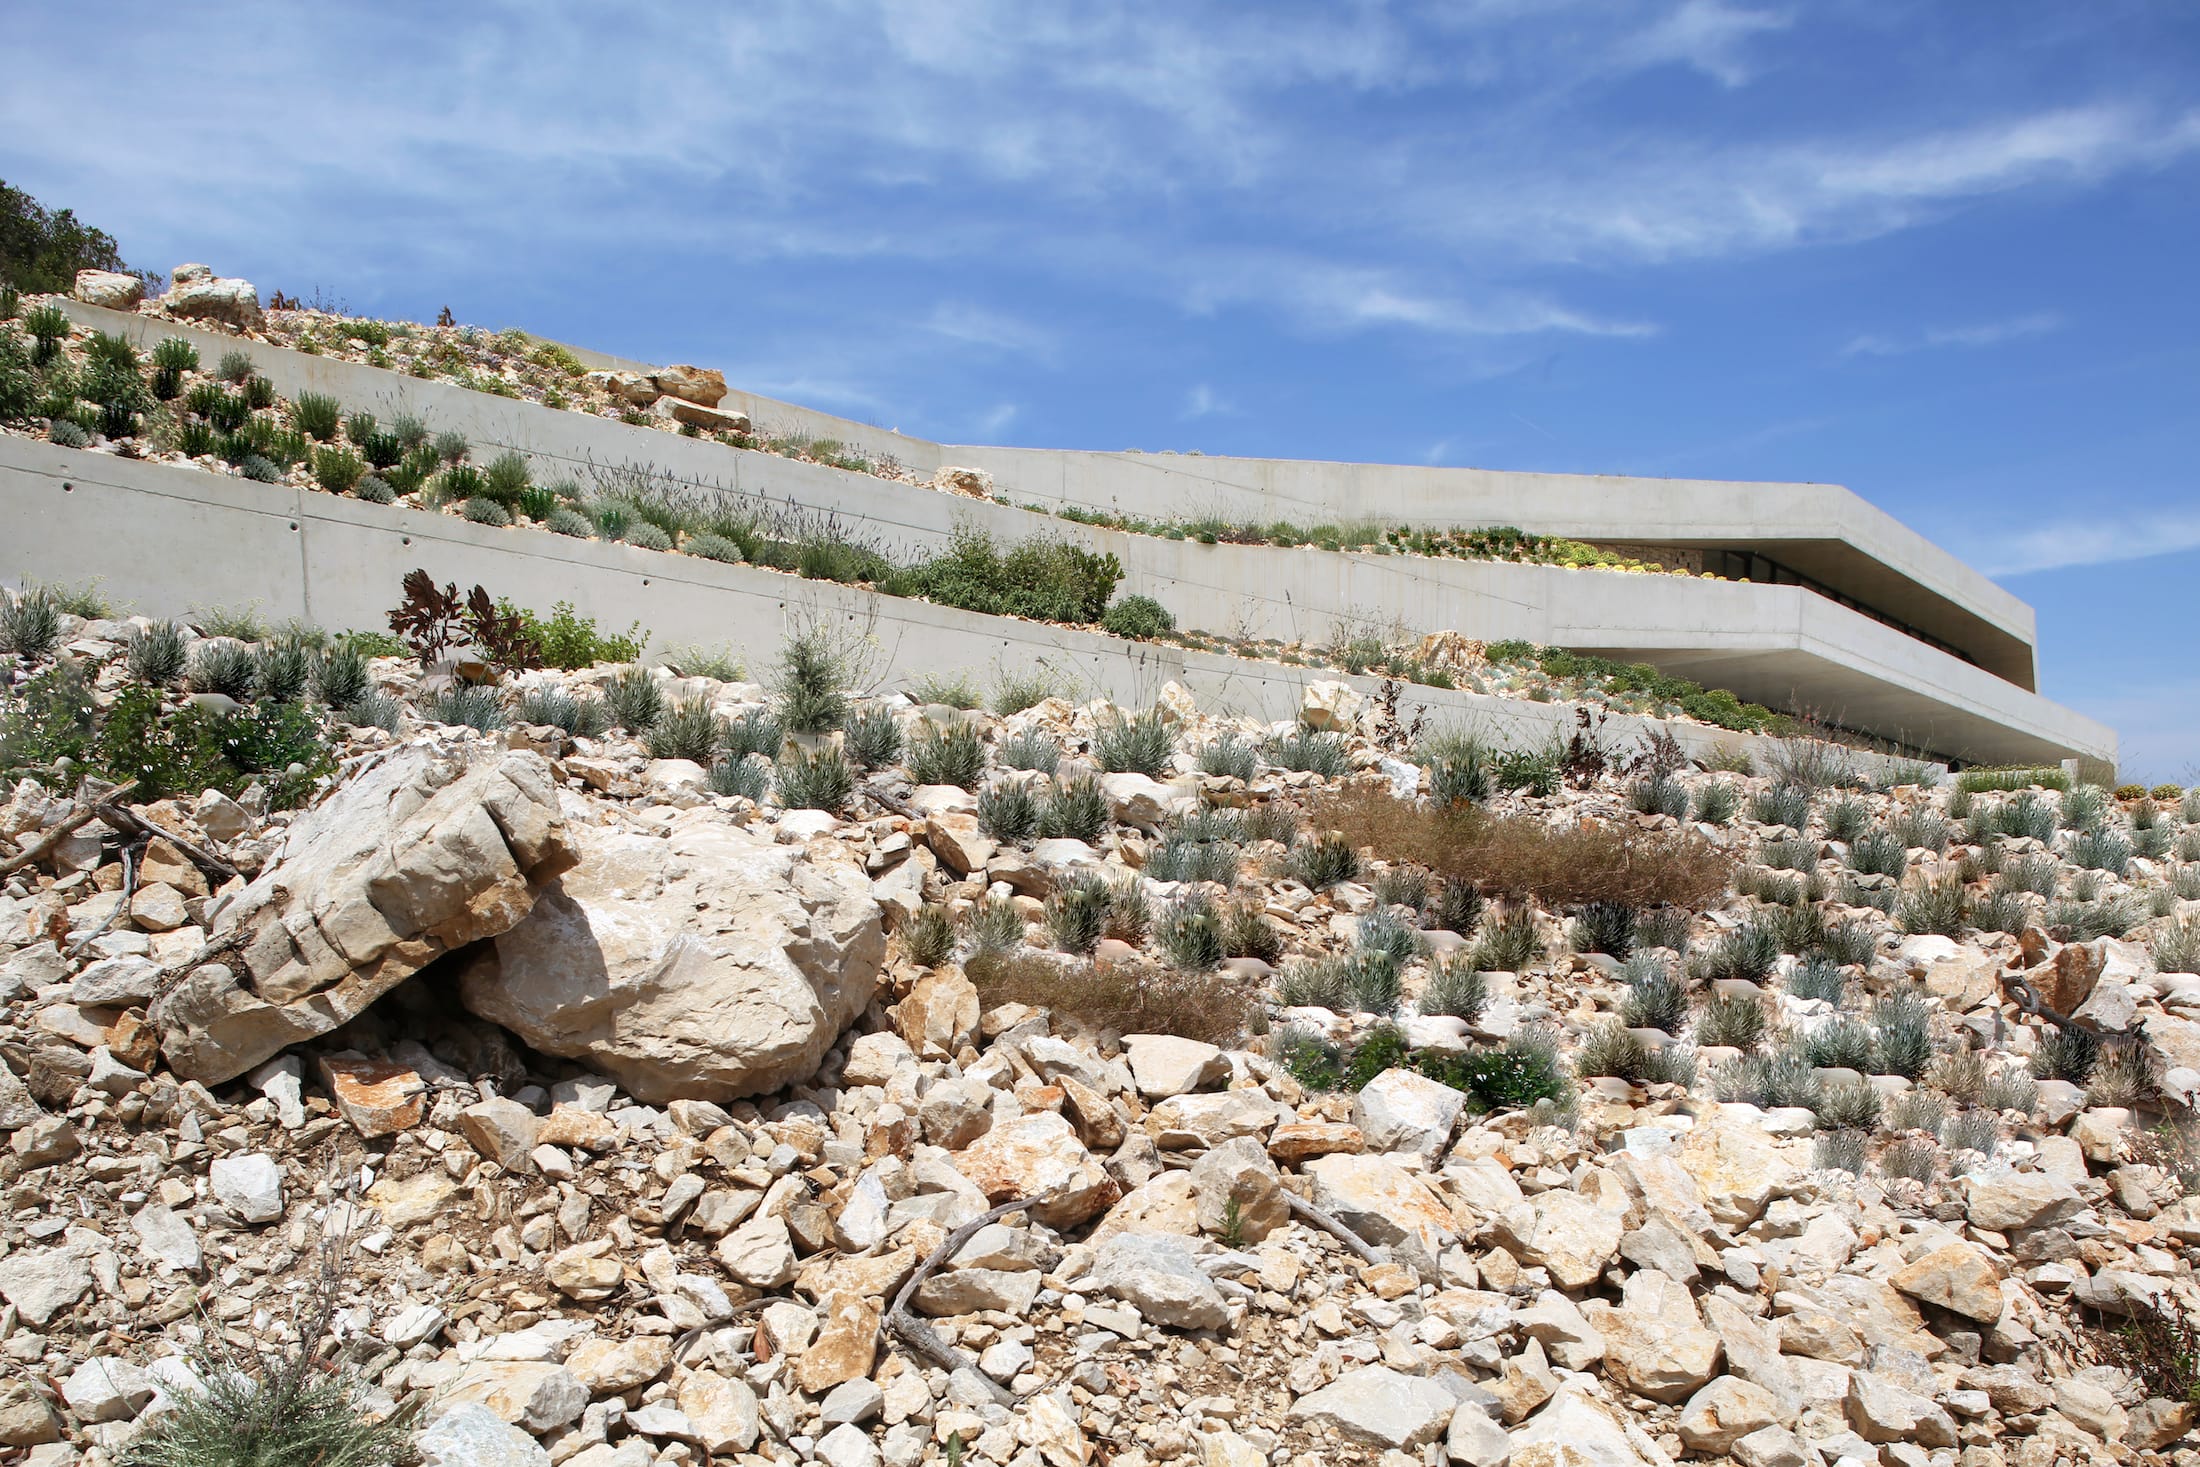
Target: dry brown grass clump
(1125, 997)
(1521, 856)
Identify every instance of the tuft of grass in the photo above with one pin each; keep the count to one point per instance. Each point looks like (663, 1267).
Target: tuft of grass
(1510, 944)
(1032, 750)
(947, 689)
(811, 683)
(1013, 692)
(224, 668)
(2100, 850)
(290, 1397)
(748, 778)
(754, 732)
(1247, 932)
(1457, 990)
(1731, 1021)
(1074, 811)
(1137, 618)
(1914, 1161)
(1228, 758)
(873, 738)
(1878, 853)
(1903, 1028)
(2010, 1090)
(1845, 1044)
(814, 780)
(952, 755)
(1304, 751)
(280, 673)
(156, 656)
(688, 730)
(2176, 947)
(1007, 813)
(1749, 951)
(1781, 804)
(582, 717)
(1846, 819)
(1817, 978)
(635, 700)
(1077, 914)
(1179, 858)
(1917, 1110)
(1937, 906)
(1656, 999)
(467, 705)
(1138, 745)
(929, 937)
(1840, 1151)
(1660, 794)
(1717, 801)
(1188, 932)
(1847, 1108)
(1605, 927)
(2122, 1076)
(30, 624)
(1324, 861)
(1457, 907)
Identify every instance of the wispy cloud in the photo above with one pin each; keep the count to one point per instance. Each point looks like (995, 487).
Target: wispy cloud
(979, 326)
(1707, 35)
(2059, 545)
(1204, 402)
(1983, 333)
(994, 421)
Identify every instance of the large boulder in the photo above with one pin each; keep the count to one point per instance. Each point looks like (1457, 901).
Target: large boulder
(419, 856)
(707, 964)
(109, 288)
(691, 384)
(199, 294)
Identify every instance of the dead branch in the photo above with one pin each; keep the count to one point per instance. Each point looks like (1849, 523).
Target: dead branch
(921, 1337)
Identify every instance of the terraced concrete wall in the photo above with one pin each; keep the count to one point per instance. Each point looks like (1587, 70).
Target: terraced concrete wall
(1774, 644)
(166, 539)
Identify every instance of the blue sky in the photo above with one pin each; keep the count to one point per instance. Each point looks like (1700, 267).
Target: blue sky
(1941, 254)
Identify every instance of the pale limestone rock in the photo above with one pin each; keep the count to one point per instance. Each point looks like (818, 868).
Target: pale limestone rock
(1378, 1406)
(1038, 1157)
(1239, 1171)
(1158, 1275)
(1960, 1277)
(1404, 1110)
(109, 288)
(420, 855)
(1655, 1342)
(1388, 1207)
(1163, 1065)
(1564, 1232)
(711, 964)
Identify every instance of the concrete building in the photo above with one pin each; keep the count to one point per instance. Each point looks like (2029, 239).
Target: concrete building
(1822, 603)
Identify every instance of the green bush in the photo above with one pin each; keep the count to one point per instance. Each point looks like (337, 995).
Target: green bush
(1137, 618)
(874, 739)
(570, 641)
(156, 655)
(317, 415)
(812, 684)
(1305, 751)
(192, 748)
(1031, 750)
(337, 469)
(1042, 578)
(506, 480)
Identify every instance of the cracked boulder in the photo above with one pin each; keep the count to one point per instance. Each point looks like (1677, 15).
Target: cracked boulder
(419, 856)
(707, 964)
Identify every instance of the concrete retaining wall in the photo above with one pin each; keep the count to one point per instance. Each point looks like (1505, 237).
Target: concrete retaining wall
(167, 539)
(1778, 645)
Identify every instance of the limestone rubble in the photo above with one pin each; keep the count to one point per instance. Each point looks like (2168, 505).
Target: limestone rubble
(635, 1123)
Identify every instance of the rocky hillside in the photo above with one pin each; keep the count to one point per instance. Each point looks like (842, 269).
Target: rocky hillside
(612, 1067)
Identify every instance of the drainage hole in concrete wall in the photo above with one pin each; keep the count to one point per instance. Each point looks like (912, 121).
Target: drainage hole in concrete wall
(68, 488)
(407, 540)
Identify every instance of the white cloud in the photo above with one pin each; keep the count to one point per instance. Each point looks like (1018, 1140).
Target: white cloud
(1704, 34)
(997, 331)
(2058, 545)
(994, 421)
(1982, 333)
(1204, 402)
